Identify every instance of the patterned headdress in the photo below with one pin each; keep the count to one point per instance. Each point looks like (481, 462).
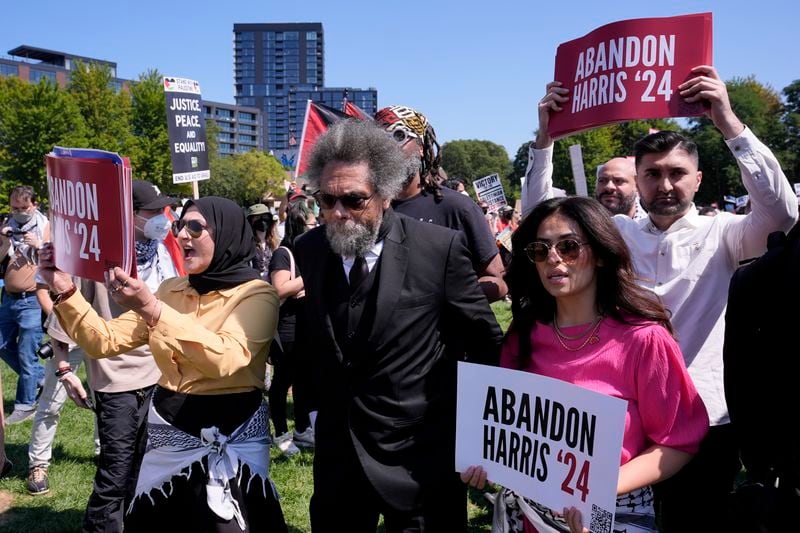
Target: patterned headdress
(398, 118)
(401, 117)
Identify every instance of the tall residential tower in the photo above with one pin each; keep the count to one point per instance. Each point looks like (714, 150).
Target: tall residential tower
(278, 67)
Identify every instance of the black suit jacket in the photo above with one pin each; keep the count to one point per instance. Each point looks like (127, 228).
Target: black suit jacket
(393, 402)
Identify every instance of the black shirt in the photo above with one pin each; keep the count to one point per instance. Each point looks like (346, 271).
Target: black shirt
(455, 211)
(287, 318)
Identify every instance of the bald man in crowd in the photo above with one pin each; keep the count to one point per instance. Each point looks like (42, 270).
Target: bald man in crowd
(616, 188)
(616, 178)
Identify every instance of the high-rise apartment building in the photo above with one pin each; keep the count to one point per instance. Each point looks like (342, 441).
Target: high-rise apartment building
(32, 64)
(241, 128)
(278, 67)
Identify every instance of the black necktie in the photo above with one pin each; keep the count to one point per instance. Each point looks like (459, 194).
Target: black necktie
(358, 273)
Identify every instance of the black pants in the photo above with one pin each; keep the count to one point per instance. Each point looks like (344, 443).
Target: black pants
(697, 498)
(286, 368)
(345, 500)
(122, 425)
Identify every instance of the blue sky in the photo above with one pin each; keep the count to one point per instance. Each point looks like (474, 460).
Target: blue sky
(475, 69)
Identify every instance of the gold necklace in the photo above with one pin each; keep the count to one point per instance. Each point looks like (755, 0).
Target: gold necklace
(591, 339)
(579, 335)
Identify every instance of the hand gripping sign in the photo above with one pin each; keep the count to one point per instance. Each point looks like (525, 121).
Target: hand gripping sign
(90, 211)
(549, 440)
(630, 70)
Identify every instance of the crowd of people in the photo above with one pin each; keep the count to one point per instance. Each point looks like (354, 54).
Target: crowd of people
(360, 295)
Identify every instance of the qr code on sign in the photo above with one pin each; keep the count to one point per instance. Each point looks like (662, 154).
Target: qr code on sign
(601, 520)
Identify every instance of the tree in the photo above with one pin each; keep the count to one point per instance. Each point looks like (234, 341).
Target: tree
(149, 146)
(791, 120)
(245, 178)
(106, 113)
(33, 119)
(759, 107)
(518, 167)
(598, 146)
(470, 160)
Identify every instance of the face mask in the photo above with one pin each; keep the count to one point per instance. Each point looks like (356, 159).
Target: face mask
(260, 225)
(157, 227)
(22, 218)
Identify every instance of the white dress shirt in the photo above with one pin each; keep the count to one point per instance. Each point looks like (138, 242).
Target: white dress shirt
(538, 184)
(372, 256)
(691, 263)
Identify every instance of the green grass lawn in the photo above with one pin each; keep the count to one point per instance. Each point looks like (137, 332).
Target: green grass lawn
(72, 471)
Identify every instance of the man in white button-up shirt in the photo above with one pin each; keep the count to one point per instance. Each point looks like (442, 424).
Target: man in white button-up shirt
(688, 260)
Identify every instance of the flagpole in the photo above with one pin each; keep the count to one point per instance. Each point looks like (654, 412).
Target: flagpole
(302, 139)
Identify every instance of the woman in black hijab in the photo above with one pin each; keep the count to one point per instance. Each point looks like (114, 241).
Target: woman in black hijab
(207, 459)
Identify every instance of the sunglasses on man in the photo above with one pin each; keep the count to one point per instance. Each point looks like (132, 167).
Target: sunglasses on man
(402, 136)
(352, 202)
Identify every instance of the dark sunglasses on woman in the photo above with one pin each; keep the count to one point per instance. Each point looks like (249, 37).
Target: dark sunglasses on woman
(567, 249)
(193, 227)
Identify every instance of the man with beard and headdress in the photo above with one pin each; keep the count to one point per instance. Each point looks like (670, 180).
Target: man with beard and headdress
(423, 197)
(385, 297)
(688, 261)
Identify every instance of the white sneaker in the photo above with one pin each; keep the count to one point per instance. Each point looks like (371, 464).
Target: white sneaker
(285, 445)
(304, 439)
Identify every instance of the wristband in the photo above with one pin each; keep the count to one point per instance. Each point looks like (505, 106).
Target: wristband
(153, 320)
(61, 372)
(59, 297)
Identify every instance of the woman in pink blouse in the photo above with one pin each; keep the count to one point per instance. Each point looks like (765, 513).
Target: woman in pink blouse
(579, 316)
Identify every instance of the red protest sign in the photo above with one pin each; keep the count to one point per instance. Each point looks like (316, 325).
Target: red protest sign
(91, 206)
(630, 70)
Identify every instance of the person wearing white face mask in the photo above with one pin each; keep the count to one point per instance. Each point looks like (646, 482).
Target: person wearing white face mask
(122, 384)
(151, 227)
(22, 298)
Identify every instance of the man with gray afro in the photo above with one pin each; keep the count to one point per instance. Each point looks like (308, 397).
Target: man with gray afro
(390, 302)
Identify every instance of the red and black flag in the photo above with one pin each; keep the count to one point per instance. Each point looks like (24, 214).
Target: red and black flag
(318, 118)
(352, 110)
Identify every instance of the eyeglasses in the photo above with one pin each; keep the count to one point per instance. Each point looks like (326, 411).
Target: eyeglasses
(567, 249)
(402, 136)
(193, 227)
(353, 202)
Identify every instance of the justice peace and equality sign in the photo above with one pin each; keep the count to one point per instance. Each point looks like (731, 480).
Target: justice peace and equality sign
(187, 130)
(552, 441)
(630, 70)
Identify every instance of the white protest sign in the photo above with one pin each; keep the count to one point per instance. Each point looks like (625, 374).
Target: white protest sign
(578, 173)
(741, 201)
(490, 190)
(554, 442)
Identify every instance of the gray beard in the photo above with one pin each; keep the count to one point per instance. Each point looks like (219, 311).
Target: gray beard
(414, 168)
(352, 240)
